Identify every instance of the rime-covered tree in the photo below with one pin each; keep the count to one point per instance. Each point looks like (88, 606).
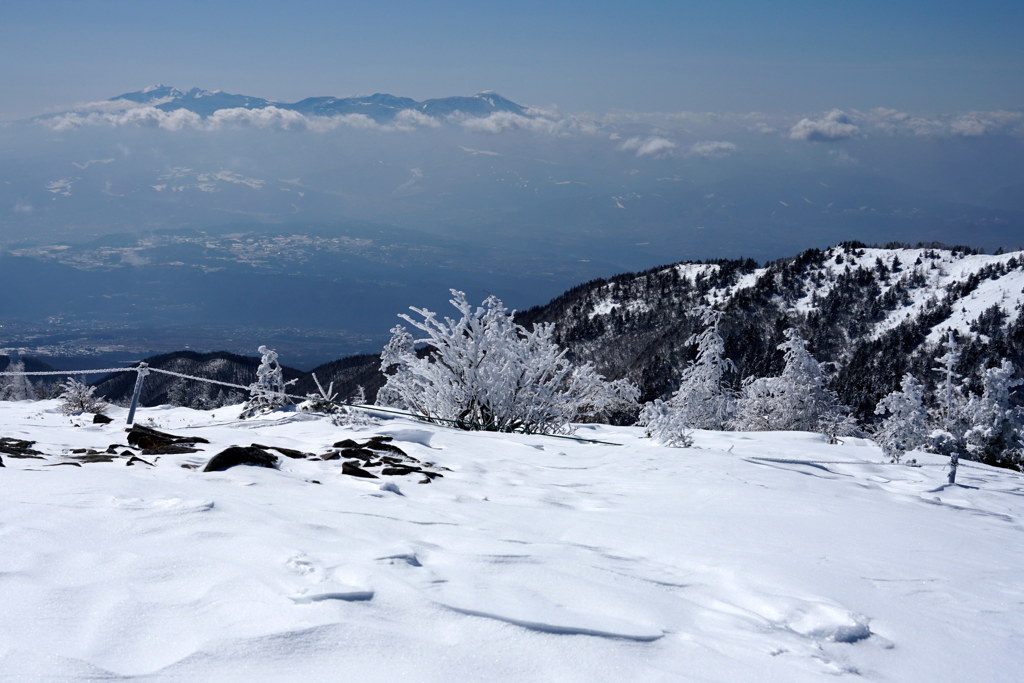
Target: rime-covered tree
(796, 400)
(268, 391)
(996, 434)
(703, 399)
(756, 406)
(77, 398)
(948, 395)
(951, 419)
(484, 371)
(906, 426)
(666, 424)
(15, 387)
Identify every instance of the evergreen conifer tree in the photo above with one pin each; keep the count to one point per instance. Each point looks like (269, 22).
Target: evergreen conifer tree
(666, 424)
(268, 391)
(996, 434)
(906, 426)
(796, 400)
(15, 387)
(703, 399)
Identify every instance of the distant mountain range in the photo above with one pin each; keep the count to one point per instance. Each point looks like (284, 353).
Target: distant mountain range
(380, 107)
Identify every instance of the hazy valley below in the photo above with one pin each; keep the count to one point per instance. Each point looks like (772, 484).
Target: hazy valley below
(165, 219)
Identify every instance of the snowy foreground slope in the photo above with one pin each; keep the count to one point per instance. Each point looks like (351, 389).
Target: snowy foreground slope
(532, 559)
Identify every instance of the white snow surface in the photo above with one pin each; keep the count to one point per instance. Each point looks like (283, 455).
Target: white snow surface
(533, 559)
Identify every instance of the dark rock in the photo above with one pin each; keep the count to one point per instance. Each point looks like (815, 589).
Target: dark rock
(360, 453)
(313, 481)
(25, 456)
(399, 471)
(330, 455)
(287, 452)
(136, 460)
(346, 443)
(98, 419)
(150, 439)
(17, 447)
(240, 455)
(381, 438)
(1, 462)
(425, 480)
(112, 448)
(355, 470)
(170, 449)
(384, 447)
(58, 464)
(92, 457)
(79, 450)
(126, 452)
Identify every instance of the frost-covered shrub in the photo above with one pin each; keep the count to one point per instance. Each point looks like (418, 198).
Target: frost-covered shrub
(324, 401)
(666, 424)
(268, 391)
(352, 414)
(77, 398)
(906, 426)
(797, 400)
(996, 434)
(484, 371)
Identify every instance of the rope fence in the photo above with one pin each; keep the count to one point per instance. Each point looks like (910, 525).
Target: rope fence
(143, 369)
(66, 373)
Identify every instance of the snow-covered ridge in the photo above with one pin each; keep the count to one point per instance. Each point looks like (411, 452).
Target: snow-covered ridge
(685, 271)
(873, 313)
(532, 559)
(921, 276)
(925, 274)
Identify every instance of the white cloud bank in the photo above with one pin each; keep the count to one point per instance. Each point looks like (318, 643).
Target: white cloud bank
(654, 146)
(266, 118)
(658, 147)
(834, 125)
(841, 125)
(665, 128)
(712, 149)
(540, 122)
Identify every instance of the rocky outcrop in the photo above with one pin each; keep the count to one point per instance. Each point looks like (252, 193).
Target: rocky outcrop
(234, 456)
(151, 441)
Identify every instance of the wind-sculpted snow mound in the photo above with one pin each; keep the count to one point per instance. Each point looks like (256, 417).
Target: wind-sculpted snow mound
(769, 556)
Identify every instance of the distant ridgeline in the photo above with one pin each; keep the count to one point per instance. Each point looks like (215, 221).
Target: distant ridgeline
(875, 313)
(380, 107)
(872, 313)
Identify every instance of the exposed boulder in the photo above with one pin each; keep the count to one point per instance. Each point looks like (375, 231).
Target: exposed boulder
(352, 469)
(18, 448)
(149, 439)
(287, 452)
(241, 455)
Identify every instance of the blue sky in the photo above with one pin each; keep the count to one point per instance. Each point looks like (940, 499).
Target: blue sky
(595, 55)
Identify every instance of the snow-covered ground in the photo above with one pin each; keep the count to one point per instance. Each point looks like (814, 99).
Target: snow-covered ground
(533, 559)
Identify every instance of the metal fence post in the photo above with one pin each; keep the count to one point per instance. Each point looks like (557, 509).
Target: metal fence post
(142, 371)
(953, 462)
